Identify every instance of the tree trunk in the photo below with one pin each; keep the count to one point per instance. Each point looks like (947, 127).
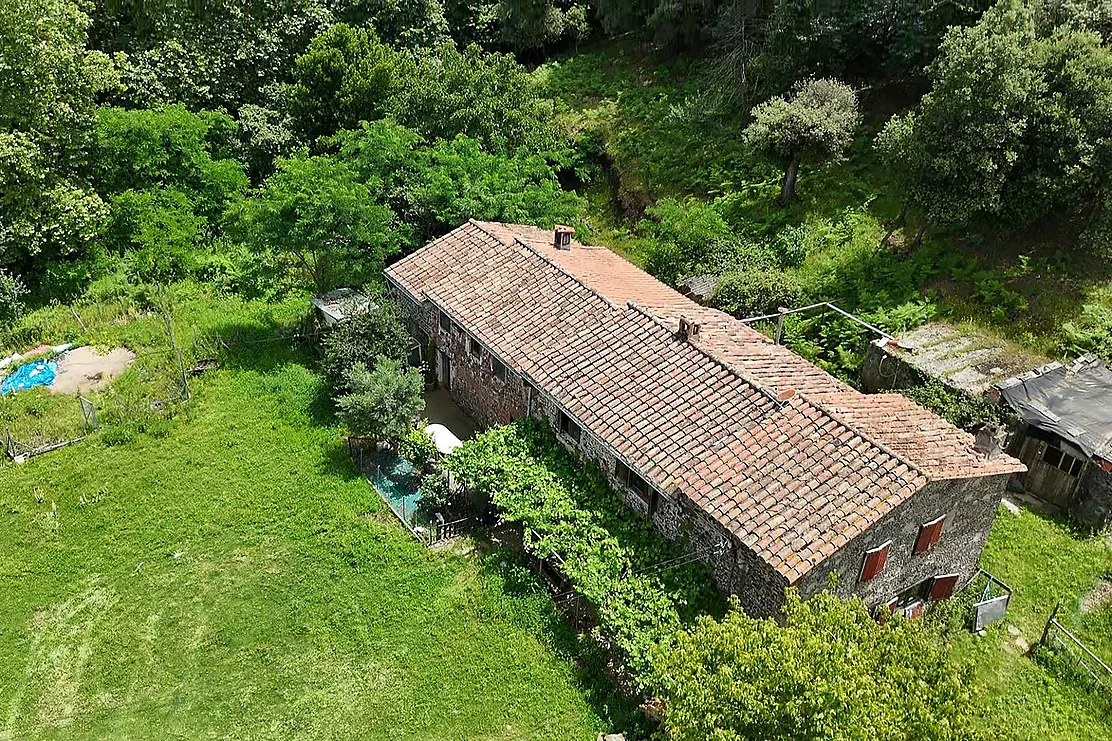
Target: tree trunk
(899, 223)
(791, 175)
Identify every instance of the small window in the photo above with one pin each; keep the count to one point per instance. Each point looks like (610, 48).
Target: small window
(639, 485)
(1063, 461)
(456, 329)
(929, 535)
(569, 427)
(474, 347)
(621, 472)
(499, 368)
(943, 586)
(874, 561)
(445, 322)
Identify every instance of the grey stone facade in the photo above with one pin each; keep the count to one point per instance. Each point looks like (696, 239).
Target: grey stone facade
(970, 507)
(969, 504)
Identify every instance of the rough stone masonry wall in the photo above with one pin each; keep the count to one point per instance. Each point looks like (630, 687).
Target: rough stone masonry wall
(486, 398)
(970, 507)
(1092, 507)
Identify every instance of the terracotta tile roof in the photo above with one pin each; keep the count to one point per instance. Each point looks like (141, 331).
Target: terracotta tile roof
(793, 480)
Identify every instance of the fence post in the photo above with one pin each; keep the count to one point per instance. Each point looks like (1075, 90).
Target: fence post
(1046, 630)
(783, 312)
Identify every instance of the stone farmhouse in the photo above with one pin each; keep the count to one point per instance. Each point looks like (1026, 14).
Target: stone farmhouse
(770, 470)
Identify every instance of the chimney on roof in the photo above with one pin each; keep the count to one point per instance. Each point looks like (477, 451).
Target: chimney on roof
(687, 330)
(989, 440)
(562, 237)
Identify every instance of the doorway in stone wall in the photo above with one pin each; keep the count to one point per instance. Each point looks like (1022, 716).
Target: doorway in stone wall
(445, 375)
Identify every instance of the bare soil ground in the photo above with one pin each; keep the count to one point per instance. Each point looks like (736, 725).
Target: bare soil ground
(83, 369)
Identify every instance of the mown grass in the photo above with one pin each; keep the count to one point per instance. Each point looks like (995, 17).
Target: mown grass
(1047, 563)
(232, 577)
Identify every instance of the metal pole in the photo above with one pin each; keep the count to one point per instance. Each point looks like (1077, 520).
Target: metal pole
(783, 312)
(1046, 630)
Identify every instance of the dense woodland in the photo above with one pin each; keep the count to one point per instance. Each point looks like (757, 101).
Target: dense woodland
(265, 146)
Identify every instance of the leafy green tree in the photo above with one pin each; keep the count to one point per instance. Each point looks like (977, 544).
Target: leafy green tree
(382, 402)
(320, 224)
(830, 672)
(192, 153)
(816, 122)
(48, 86)
(410, 24)
(437, 187)
(219, 54)
(1010, 141)
(12, 293)
(158, 231)
(370, 335)
(345, 77)
(489, 97)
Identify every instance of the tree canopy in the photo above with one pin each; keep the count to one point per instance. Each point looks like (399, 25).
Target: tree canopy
(829, 672)
(1017, 123)
(816, 122)
(320, 224)
(382, 402)
(48, 85)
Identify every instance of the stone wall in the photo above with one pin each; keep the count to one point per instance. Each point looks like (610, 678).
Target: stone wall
(1093, 505)
(970, 507)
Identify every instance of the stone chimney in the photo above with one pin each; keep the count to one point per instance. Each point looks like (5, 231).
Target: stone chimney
(562, 237)
(687, 330)
(989, 440)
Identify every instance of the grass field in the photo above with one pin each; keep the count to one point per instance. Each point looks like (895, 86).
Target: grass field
(229, 576)
(1046, 563)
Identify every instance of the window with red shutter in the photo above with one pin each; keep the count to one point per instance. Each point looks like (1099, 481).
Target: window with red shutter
(943, 586)
(874, 561)
(929, 534)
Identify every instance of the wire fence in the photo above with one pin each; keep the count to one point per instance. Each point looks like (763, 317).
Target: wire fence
(1067, 651)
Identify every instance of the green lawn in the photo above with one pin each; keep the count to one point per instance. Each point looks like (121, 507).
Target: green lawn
(231, 577)
(1045, 562)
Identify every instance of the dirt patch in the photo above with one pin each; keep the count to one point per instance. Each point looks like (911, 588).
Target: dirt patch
(83, 369)
(1100, 596)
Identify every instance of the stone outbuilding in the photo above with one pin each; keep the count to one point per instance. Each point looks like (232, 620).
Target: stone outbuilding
(1064, 435)
(768, 469)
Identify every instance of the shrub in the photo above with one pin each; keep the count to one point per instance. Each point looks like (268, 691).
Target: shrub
(417, 446)
(383, 401)
(1091, 332)
(960, 408)
(12, 292)
(751, 292)
(363, 339)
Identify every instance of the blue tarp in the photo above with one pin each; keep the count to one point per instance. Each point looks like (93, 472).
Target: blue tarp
(39, 373)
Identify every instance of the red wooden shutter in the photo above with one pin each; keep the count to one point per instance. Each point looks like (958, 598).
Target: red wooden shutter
(929, 535)
(874, 561)
(943, 586)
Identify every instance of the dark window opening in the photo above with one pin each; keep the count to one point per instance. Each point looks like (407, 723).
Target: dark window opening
(1063, 461)
(445, 322)
(639, 485)
(874, 561)
(474, 347)
(499, 368)
(569, 427)
(456, 329)
(621, 472)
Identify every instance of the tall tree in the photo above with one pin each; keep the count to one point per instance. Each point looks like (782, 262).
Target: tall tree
(816, 123)
(48, 85)
(830, 672)
(1018, 122)
(315, 220)
(345, 77)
